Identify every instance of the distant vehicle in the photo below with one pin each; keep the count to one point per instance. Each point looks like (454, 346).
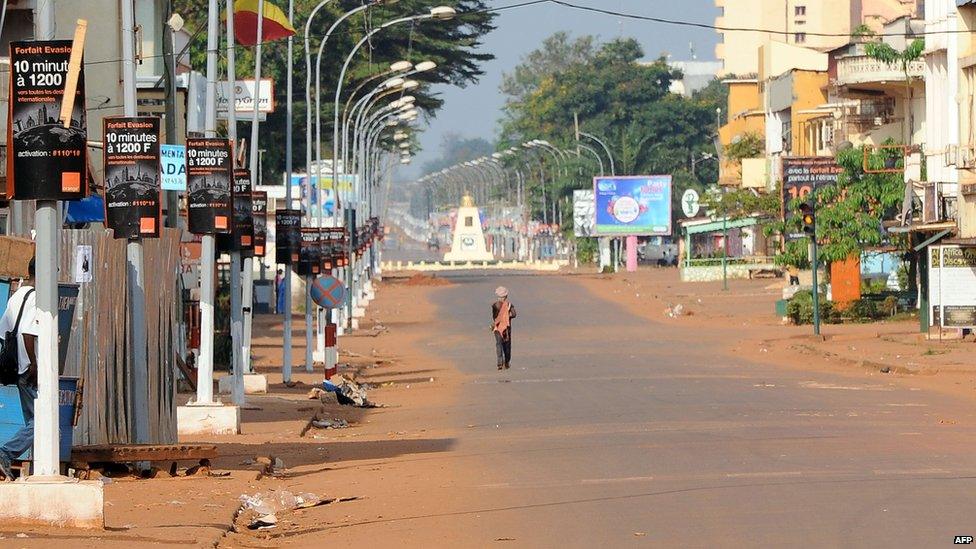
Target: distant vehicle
(662, 255)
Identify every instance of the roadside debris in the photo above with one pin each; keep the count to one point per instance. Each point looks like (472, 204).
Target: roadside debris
(270, 466)
(265, 522)
(347, 391)
(674, 311)
(265, 506)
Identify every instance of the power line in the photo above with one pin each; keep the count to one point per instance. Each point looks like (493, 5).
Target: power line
(695, 24)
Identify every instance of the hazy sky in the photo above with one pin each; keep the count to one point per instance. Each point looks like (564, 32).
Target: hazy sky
(475, 110)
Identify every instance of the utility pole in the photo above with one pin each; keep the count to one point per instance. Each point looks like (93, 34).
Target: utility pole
(815, 261)
(289, 104)
(253, 158)
(236, 312)
(208, 245)
(135, 277)
(46, 428)
(169, 74)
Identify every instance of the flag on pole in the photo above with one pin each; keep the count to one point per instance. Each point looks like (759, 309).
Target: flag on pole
(275, 27)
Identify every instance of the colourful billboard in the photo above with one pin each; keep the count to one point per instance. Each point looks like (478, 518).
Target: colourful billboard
(637, 205)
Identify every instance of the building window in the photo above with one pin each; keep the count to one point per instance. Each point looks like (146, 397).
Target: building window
(800, 37)
(799, 11)
(799, 22)
(469, 221)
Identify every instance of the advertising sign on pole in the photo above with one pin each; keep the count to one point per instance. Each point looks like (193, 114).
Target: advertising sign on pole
(172, 162)
(288, 238)
(690, 203)
(309, 260)
(584, 213)
(802, 173)
(46, 160)
(243, 212)
(209, 172)
(259, 206)
(131, 161)
(637, 205)
(244, 93)
(952, 286)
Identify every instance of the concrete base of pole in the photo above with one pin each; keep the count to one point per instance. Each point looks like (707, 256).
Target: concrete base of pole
(208, 419)
(55, 501)
(254, 384)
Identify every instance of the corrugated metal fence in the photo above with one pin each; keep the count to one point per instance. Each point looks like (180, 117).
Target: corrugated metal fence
(98, 348)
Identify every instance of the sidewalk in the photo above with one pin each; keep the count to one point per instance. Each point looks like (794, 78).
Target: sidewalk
(358, 461)
(744, 319)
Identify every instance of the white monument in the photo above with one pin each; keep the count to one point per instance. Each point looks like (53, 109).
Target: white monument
(469, 238)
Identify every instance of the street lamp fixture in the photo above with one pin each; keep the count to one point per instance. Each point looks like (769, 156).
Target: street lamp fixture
(443, 13)
(401, 66)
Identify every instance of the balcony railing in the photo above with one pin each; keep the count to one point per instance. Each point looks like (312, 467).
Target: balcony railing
(861, 69)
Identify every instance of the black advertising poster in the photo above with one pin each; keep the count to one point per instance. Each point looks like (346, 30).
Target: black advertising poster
(243, 211)
(132, 180)
(259, 206)
(336, 244)
(288, 238)
(325, 251)
(45, 159)
(209, 171)
(801, 174)
(309, 259)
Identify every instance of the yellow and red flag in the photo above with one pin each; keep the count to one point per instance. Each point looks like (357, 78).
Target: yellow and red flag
(275, 26)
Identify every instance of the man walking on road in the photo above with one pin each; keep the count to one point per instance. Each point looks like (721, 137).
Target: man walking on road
(20, 317)
(502, 313)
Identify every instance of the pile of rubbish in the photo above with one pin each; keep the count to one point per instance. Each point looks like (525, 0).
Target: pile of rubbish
(347, 392)
(265, 506)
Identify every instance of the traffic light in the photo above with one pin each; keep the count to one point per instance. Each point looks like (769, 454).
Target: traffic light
(809, 219)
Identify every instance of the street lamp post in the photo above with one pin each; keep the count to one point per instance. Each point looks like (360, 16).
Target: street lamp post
(441, 13)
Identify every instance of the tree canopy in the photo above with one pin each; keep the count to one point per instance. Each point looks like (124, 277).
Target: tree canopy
(453, 45)
(621, 100)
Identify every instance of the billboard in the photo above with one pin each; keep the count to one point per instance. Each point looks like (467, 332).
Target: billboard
(583, 213)
(952, 286)
(638, 205)
(172, 162)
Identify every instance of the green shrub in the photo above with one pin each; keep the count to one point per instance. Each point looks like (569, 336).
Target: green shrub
(800, 309)
(587, 250)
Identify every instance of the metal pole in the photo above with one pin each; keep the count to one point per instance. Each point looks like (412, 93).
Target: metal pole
(169, 59)
(236, 312)
(135, 280)
(289, 107)
(815, 261)
(46, 432)
(208, 246)
(725, 253)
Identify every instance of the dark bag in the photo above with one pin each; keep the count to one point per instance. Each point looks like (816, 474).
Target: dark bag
(9, 359)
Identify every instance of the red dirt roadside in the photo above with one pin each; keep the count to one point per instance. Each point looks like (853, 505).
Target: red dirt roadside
(368, 460)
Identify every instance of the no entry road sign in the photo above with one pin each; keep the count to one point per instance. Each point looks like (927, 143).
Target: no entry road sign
(328, 292)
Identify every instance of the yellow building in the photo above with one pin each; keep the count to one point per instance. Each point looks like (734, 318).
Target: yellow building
(745, 121)
(797, 22)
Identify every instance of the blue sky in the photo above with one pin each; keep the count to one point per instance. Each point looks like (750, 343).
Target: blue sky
(475, 110)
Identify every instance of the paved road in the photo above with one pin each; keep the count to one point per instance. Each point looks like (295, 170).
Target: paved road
(611, 430)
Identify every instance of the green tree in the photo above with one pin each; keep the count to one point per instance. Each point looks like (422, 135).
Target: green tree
(454, 45)
(557, 53)
(849, 214)
(626, 103)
